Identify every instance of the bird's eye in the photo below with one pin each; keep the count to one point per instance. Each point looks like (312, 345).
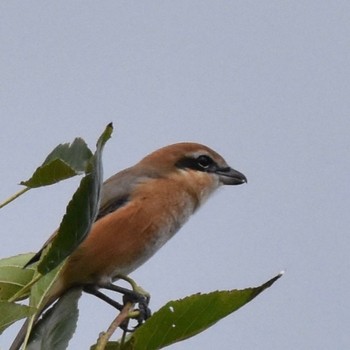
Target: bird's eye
(204, 161)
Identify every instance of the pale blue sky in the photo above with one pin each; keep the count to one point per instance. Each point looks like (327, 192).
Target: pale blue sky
(266, 84)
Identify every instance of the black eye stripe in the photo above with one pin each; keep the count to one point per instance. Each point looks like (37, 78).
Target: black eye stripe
(201, 163)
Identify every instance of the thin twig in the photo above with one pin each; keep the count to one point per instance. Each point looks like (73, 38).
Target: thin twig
(12, 198)
(122, 316)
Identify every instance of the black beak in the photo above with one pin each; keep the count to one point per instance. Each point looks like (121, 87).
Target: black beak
(229, 176)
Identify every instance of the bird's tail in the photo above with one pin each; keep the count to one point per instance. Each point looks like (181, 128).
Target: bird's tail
(18, 341)
(54, 294)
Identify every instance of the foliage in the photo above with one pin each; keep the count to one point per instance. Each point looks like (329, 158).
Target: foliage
(174, 322)
(181, 319)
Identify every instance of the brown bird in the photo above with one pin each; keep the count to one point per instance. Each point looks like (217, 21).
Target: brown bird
(141, 208)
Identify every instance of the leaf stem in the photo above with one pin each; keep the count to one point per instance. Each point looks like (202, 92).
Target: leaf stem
(25, 289)
(12, 198)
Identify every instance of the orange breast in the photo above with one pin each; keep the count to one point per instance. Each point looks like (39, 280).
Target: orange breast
(123, 240)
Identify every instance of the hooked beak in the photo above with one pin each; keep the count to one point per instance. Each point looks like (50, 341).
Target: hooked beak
(229, 176)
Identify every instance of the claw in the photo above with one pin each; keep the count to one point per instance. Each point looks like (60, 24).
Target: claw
(144, 312)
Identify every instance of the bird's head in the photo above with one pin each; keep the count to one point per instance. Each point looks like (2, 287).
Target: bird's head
(195, 166)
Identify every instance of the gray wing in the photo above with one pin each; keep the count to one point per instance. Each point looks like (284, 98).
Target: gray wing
(116, 192)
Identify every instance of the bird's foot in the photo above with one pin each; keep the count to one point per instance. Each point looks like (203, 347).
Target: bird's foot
(143, 312)
(137, 295)
(140, 297)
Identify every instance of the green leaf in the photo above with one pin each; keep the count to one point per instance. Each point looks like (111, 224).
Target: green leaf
(58, 324)
(40, 295)
(182, 319)
(49, 174)
(12, 275)
(65, 161)
(76, 154)
(11, 312)
(81, 211)
(40, 290)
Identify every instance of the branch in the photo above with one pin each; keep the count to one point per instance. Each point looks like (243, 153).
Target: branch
(122, 316)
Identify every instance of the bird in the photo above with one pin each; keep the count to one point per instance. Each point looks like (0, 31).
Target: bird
(141, 208)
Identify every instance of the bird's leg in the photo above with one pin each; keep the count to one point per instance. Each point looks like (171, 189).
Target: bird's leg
(135, 287)
(92, 289)
(143, 302)
(136, 295)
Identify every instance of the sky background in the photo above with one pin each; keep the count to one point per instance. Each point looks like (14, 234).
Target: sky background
(265, 83)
